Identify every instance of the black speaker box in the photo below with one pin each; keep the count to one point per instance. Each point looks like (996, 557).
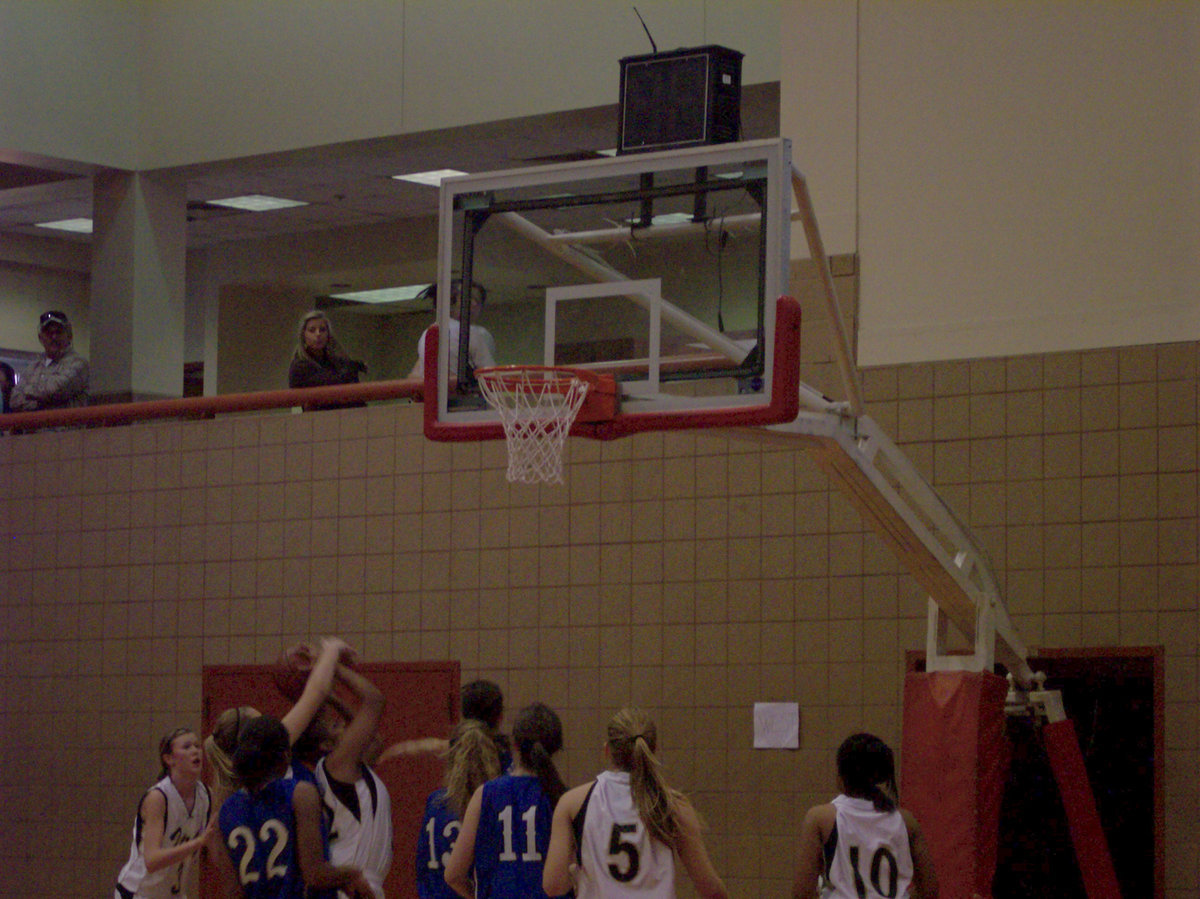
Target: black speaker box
(682, 98)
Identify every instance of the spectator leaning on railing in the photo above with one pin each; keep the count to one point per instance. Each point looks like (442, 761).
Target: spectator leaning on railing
(59, 378)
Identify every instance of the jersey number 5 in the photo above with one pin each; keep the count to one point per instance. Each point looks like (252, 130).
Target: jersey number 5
(618, 847)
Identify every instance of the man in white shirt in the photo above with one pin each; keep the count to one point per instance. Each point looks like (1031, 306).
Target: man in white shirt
(481, 345)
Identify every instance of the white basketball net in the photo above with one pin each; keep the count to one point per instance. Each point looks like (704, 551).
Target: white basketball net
(537, 407)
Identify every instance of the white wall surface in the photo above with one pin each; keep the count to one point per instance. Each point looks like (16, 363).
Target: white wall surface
(67, 85)
(27, 291)
(227, 78)
(1028, 174)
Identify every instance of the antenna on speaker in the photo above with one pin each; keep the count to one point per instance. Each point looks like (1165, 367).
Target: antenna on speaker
(653, 46)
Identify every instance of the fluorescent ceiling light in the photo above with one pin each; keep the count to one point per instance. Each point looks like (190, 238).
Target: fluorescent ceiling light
(666, 218)
(384, 294)
(79, 226)
(432, 178)
(256, 203)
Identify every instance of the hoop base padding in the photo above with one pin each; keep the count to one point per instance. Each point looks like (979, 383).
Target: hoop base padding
(955, 757)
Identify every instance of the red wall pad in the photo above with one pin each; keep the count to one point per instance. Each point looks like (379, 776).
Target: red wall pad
(1091, 847)
(954, 763)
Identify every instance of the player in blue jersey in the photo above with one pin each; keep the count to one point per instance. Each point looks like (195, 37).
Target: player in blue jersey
(219, 746)
(506, 827)
(271, 827)
(471, 761)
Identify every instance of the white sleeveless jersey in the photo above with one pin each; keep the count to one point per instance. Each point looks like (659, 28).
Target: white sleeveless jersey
(867, 856)
(617, 855)
(363, 841)
(179, 827)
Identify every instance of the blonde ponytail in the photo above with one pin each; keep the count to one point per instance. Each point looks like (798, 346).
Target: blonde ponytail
(632, 739)
(471, 761)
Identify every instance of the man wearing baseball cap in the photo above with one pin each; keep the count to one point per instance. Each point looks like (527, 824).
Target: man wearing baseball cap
(58, 379)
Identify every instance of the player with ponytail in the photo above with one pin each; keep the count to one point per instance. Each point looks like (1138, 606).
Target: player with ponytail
(624, 830)
(472, 759)
(506, 825)
(862, 845)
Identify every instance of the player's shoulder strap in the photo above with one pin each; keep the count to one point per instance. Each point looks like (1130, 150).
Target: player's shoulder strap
(577, 823)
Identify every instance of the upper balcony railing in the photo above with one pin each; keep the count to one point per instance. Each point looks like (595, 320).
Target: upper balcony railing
(211, 406)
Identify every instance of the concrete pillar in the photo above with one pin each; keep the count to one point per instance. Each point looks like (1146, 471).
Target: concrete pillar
(138, 287)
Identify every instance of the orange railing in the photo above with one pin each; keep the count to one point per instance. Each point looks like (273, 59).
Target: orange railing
(209, 406)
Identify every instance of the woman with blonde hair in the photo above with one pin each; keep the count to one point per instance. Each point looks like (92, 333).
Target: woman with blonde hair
(505, 831)
(320, 361)
(472, 759)
(172, 824)
(622, 831)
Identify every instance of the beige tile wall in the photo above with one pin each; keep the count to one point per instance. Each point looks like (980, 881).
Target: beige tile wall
(692, 574)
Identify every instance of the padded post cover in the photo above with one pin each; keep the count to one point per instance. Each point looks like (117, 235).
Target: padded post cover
(1087, 836)
(954, 764)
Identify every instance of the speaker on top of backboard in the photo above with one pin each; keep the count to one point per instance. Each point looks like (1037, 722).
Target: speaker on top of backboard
(681, 98)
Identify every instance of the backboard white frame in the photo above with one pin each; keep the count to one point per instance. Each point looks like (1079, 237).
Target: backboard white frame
(775, 154)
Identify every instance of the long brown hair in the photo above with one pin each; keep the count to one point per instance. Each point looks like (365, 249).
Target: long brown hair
(471, 761)
(632, 739)
(537, 734)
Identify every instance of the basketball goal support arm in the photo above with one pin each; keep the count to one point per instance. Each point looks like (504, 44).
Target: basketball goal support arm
(842, 348)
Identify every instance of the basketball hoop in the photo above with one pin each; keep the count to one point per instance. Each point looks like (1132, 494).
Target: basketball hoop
(537, 405)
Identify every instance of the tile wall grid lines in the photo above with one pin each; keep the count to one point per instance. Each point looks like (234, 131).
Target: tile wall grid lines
(688, 573)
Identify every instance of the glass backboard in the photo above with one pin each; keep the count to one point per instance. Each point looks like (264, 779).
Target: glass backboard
(662, 270)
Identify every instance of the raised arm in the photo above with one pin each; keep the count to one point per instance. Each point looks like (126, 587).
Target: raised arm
(344, 763)
(462, 857)
(694, 854)
(316, 688)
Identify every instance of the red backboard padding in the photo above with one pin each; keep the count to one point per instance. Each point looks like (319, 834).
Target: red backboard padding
(954, 764)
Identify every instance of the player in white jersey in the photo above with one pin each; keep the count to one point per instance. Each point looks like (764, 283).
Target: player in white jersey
(356, 800)
(623, 831)
(219, 746)
(171, 826)
(862, 845)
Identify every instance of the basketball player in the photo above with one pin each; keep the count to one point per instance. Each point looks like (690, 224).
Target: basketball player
(221, 743)
(171, 826)
(624, 829)
(506, 827)
(862, 845)
(356, 800)
(271, 827)
(471, 761)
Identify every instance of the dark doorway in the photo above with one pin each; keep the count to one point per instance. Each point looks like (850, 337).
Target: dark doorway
(1114, 698)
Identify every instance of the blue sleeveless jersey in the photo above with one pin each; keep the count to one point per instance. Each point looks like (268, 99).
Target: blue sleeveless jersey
(510, 845)
(260, 833)
(439, 830)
